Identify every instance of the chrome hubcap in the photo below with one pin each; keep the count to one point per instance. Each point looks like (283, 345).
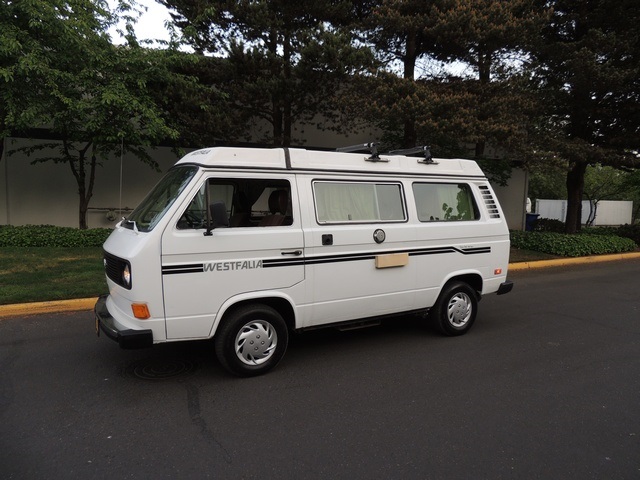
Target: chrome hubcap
(256, 342)
(459, 309)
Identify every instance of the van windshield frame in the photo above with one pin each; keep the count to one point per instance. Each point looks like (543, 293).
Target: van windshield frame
(160, 199)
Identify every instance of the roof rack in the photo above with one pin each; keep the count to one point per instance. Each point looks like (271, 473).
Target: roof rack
(424, 149)
(371, 147)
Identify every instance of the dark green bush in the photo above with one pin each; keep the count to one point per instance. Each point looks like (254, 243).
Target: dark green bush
(630, 231)
(548, 225)
(51, 236)
(626, 231)
(556, 226)
(571, 245)
(600, 231)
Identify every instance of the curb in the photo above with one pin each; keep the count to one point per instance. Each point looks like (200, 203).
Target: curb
(37, 308)
(561, 262)
(22, 309)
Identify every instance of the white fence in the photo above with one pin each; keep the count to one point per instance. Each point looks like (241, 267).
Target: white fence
(608, 212)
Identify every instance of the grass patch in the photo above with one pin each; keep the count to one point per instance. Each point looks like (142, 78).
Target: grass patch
(37, 274)
(50, 273)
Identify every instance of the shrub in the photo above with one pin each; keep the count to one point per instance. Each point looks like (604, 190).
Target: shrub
(630, 231)
(571, 245)
(599, 231)
(548, 225)
(51, 236)
(625, 231)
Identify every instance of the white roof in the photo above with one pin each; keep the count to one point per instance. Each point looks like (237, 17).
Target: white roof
(301, 159)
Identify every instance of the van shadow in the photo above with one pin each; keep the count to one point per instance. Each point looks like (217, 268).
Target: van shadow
(179, 361)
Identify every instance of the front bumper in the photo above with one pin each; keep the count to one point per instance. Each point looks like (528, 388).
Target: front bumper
(505, 287)
(126, 338)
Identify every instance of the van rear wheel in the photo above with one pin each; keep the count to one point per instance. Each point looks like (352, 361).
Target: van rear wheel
(251, 340)
(455, 310)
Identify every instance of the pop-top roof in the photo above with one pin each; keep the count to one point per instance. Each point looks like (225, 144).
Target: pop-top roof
(300, 159)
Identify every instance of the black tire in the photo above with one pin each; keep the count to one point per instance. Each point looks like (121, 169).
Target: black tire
(455, 310)
(251, 340)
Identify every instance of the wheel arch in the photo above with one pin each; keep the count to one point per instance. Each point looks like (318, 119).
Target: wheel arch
(473, 279)
(281, 304)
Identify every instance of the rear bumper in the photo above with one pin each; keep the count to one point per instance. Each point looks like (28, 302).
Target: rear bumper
(505, 287)
(126, 338)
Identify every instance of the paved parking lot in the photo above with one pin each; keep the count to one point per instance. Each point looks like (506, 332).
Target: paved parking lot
(546, 385)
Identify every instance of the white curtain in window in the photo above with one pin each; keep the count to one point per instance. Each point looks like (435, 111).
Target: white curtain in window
(344, 202)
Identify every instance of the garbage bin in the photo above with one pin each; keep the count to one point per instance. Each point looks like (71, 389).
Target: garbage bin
(531, 221)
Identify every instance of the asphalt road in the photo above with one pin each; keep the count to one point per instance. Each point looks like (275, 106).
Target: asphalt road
(546, 385)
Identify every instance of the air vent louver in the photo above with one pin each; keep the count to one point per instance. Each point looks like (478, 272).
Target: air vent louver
(490, 202)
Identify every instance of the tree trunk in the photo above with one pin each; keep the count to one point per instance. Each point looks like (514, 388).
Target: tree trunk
(575, 188)
(410, 137)
(82, 212)
(286, 100)
(277, 123)
(85, 192)
(484, 76)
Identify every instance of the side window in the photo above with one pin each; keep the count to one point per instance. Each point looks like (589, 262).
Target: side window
(240, 202)
(445, 202)
(340, 202)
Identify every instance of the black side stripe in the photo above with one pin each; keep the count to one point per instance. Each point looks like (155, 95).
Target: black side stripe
(317, 260)
(193, 268)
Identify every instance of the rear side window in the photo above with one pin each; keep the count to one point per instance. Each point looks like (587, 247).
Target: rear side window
(358, 202)
(445, 202)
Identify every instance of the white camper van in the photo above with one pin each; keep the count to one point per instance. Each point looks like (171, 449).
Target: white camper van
(247, 245)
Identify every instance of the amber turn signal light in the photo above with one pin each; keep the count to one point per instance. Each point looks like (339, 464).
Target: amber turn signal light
(140, 311)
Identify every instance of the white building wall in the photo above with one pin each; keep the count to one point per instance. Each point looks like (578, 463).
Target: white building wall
(608, 212)
(513, 198)
(46, 193)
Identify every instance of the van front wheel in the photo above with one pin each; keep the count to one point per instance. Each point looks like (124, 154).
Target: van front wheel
(455, 310)
(251, 340)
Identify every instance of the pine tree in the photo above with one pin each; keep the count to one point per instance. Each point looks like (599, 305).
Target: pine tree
(588, 66)
(285, 59)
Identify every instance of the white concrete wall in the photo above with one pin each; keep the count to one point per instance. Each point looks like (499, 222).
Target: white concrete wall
(513, 198)
(46, 193)
(608, 213)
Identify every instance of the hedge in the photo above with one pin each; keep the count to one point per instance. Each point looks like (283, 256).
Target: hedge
(571, 245)
(626, 231)
(51, 236)
(556, 226)
(545, 242)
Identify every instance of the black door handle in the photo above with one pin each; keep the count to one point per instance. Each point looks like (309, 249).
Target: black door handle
(295, 253)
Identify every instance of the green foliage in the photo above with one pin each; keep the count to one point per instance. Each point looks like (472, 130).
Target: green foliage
(626, 231)
(556, 226)
(548, 180)
(59, 68)
(630, 231)
(548, 225)
(51, 236)
(586, 64)
(285, 61)
(571, 245)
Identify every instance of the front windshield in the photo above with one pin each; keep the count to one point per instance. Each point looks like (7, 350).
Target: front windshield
(155, 205)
